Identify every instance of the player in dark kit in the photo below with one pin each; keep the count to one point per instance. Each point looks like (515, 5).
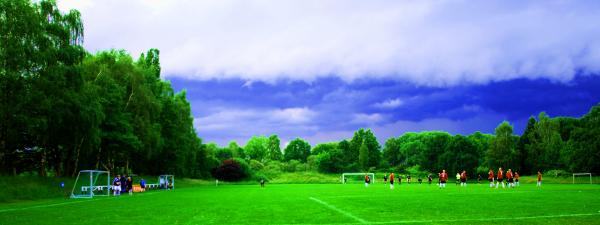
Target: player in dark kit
(429, 179)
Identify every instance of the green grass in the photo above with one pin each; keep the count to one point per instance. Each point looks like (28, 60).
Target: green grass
(204, 203)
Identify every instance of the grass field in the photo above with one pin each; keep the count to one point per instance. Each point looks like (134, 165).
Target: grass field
(323, 204)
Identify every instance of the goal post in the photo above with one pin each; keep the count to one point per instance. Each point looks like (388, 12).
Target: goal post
(357, 176)
(582, 174)
(166, 182)
(91, 183)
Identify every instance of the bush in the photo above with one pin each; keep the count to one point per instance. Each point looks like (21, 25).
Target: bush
(256, 165)
(557, 173)
(290, 166)
(232, 170)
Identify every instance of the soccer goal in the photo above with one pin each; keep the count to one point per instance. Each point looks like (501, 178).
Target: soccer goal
(166, 182)
(357, 177)
(91, 183)
(582, 178)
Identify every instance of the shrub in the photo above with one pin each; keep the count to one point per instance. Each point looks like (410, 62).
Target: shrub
(232, 170)
(256, 165)
(557, 173)
(290, 166)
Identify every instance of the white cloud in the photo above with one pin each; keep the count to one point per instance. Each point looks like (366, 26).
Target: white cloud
(425, 42)
(367, 119)
(389, 104)
(241, 124)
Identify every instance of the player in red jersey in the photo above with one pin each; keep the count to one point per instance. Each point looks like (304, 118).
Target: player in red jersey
(443, 179)
(392, 181)
(509, 178)
(463, 179)
(499, 177)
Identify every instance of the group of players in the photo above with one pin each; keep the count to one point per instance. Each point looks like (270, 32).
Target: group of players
(124, 184)
(512, 179)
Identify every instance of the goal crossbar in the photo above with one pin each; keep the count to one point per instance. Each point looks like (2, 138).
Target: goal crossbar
(582, 174)
(372, 175)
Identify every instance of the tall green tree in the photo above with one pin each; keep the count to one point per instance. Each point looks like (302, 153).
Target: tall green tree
(274, 149)
(502, 148)
(297, 149)
(363, 156)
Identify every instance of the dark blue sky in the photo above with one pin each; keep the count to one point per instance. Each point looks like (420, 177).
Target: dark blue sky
(331, 109)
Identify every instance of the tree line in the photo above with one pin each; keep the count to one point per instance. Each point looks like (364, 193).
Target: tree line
(63, 109)
(561, 144)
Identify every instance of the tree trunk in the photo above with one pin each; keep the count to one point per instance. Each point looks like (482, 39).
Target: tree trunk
(77, 151)
(43, 163)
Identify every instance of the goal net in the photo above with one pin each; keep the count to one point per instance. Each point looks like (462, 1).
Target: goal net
(357, 177)
(90, 183)
(582, 178)
(166, 182)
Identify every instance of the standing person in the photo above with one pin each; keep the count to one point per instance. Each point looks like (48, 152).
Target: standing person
(399, 179)
(142, 185)
(408, 179)
(539, 179)
(129, 185)
(443, 179)
(457, 178)
(367, 180)
(429, 179)
(385, 178)
(123, 184)
(117, 186)
(391, 180)
(491, 178)
(509, 178)
(478, 179)
(517, 178)
(262, 182)
(463, 179)
(499, 177)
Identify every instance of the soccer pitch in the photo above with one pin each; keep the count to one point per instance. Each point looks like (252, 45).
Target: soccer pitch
(323, 204)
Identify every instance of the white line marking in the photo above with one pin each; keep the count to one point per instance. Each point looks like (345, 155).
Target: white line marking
(67, 203)
(338, 210)
(43, 206)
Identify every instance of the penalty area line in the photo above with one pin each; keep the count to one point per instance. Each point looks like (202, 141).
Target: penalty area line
(338, 210)
(66, 203)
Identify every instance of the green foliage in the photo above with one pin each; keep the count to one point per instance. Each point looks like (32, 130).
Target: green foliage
(363, 157)
(273, 149)
(502, 148)
(257, 148)
(297, 149)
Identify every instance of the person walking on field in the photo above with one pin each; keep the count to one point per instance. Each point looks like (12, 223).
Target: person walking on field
(463, 179)
(391, 180)
(517, 179)
(367, 180)
(457, 179)
(443, 179)
(509, 178)
(539, 179)
(499, 177)
(491, 178)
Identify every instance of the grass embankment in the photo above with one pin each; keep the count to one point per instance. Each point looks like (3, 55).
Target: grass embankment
(17, 188)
